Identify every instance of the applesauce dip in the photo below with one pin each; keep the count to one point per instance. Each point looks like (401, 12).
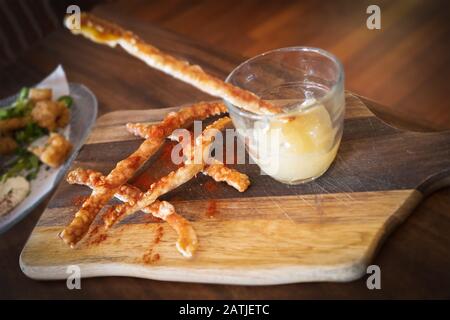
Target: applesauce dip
(298, 144)
(297, 148)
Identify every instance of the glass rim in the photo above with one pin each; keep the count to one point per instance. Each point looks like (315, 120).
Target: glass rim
(319, 51)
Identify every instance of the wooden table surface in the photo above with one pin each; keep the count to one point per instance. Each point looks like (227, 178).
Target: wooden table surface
(414, 261)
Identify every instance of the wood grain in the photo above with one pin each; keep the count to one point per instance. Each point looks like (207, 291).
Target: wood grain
(326, 230)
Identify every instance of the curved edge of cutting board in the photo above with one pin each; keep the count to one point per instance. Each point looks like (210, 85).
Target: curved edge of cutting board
(255, 277)
(244, 275)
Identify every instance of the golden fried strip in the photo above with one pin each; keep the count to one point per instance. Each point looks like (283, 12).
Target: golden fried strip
(140, 130)
(13, 124)
(203, 110)
(216, 170)
(164, 185)
(126, 168)
(104, 32)
(221, 173)
(187, 239)
(174, 179)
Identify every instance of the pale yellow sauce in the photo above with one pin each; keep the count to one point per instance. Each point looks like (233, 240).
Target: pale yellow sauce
(298, 148)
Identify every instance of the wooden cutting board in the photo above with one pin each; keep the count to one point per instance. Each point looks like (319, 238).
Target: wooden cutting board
(326, 230)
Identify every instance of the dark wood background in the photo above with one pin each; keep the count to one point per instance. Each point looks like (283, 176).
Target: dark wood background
(404, 65)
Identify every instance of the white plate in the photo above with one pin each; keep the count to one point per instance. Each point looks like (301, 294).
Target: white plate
(83, 115)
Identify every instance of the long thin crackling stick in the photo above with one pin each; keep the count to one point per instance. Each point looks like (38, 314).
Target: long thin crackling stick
(105, 32)
(187, 239)
(216, 170)
(126, 168)
(191, 167)
(187, 114)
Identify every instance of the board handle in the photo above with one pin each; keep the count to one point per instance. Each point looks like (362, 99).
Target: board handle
(400, 119)
(435, 182)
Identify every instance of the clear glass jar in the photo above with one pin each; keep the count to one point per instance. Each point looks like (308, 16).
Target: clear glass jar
(300, 143)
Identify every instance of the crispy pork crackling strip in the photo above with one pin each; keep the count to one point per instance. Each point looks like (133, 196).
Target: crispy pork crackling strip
(126, 168)
(197, 111)
(220, 173)
(105, 32)
(216, 170)
(187, 239)
(178, 119)
(191, 167)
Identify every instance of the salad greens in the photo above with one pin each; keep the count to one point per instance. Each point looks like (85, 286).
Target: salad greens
(20, 108)
(67, 100)
(23, 94)
(30, 133)
(25, 162)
